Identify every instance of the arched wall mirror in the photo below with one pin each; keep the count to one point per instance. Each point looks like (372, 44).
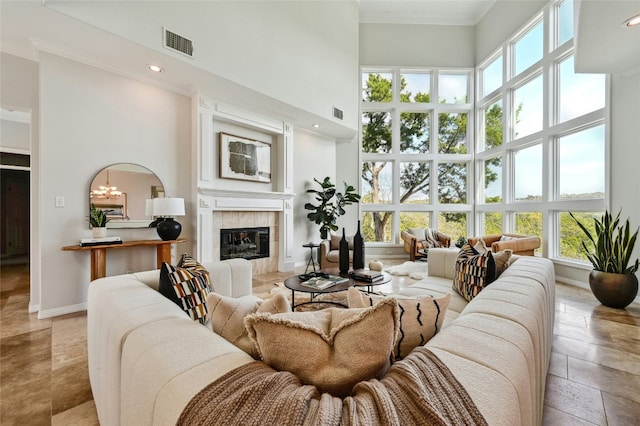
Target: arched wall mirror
(124, 188)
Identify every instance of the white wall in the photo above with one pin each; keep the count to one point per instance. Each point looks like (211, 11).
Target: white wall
(416, 45)
(303, 53)
(15, 135)
(90, 119)
(19, 83)
(313, 157)
(501, 22)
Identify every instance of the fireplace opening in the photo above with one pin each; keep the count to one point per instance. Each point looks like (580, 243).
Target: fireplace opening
(245, 243)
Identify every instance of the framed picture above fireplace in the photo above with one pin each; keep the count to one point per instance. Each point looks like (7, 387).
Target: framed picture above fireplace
(244, 159)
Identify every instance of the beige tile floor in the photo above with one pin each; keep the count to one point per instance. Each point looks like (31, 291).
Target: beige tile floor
(594, 374)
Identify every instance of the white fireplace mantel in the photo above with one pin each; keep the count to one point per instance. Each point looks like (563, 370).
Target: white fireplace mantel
(234, 200)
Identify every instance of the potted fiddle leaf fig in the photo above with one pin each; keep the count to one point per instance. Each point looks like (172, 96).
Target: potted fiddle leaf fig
(609, 248)
(330, 205)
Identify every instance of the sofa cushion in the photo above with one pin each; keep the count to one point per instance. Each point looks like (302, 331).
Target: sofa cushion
(228, 313)
(333, 349)
(419, 233)
(191, 288)
(473, 272)
(420, 317)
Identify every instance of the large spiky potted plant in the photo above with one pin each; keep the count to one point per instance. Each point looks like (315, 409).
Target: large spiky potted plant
(330, 205)
(609, 248)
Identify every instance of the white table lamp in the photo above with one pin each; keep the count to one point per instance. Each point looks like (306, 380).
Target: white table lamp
(167, 209)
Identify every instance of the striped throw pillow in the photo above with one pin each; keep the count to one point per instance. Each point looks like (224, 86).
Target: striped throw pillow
(473, 272)
(191, 288)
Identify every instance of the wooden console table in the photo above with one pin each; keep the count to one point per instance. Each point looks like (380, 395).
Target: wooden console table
(99, 253)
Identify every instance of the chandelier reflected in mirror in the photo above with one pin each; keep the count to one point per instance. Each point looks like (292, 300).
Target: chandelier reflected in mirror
(105, 191)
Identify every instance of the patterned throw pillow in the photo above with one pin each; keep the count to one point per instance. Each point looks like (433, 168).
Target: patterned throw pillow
(187, 285)
(333, 349)
(188, 262)
(420, 318)
(473, 272)
(191, 288)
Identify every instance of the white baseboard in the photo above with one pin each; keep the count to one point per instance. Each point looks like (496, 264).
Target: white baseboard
(62, 310)
(583, 285)
(575, 283)
(33, 308)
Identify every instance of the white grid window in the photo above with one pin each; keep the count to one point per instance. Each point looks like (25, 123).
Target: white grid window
(416, 151)
(553, 146)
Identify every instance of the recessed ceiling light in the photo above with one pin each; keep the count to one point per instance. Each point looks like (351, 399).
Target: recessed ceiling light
(155, 68)
(316, 126)
(632, 22)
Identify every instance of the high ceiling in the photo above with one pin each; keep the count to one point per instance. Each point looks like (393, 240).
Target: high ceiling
(437, 12)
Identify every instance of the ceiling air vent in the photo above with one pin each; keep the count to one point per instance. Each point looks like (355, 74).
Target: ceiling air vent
(337, 113)
(178, 43)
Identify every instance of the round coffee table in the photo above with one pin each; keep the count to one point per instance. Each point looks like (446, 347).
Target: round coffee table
(295, 284)
(386, 277)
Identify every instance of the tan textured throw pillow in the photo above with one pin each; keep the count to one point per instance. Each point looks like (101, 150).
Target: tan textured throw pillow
(227, 316)
(481, 247)
(503, 260)
(333, 349)
(420, 318)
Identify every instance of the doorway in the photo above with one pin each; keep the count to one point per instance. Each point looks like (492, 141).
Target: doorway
(15, 186)
(14, 216)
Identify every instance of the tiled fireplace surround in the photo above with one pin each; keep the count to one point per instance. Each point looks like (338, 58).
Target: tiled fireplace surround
(250, 219)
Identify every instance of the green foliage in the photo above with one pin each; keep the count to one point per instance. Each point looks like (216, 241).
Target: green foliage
(453, 223)
(460, 241)
(330, 205)
(609, 246)
(493, 223)
(414, 134)
(98, 217)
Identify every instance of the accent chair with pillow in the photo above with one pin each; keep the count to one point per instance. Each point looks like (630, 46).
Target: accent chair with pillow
(523, 245)
(329, 252)
(423, 238)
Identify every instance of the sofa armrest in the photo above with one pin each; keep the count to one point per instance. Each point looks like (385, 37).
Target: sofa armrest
(324, 249)
(442, 262)
(410, 244)
(444, 239)
(233, 277)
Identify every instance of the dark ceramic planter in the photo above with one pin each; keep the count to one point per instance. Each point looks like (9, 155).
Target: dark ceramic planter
(613, 290)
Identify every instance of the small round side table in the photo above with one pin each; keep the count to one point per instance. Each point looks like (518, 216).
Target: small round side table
(311, 261)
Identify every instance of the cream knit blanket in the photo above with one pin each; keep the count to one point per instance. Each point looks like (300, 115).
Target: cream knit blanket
(417, 390)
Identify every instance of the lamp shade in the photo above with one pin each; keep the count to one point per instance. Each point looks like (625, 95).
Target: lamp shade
(168, 207)
(148, 207)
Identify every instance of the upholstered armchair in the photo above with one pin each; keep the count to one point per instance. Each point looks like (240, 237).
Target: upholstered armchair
(329, 252)
(416, 239)
(524, 245)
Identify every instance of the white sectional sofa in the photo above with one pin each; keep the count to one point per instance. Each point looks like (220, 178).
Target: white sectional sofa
(147, 358)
